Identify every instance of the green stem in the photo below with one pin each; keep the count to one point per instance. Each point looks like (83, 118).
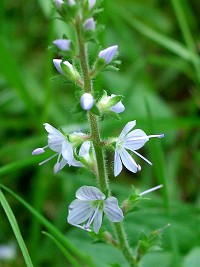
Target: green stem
(102, 177)
(124, 245)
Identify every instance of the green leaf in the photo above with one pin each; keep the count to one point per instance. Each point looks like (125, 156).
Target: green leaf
(16, 230)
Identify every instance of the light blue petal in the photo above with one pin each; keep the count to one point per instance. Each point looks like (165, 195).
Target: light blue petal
(79, 212)
(127, 129)
(135, 139)
(67, 152)
(117, 164)
(128, 161)
(55, 138)
(89, 193)
(112, 210)
(84, 150)
(118, 108)
(97, 221)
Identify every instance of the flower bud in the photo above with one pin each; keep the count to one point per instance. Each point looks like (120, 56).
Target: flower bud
(71, 2)
(91, 4)
(112, 103)
(89, 25)
(58, 4)
(108, 53)
(87, 101)
(57, 63)
(66, 68)
(62, 44)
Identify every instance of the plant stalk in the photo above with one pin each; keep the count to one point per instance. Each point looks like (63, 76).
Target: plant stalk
(102, 178)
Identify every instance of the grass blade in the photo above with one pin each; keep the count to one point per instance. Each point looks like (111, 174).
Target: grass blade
(15, 228)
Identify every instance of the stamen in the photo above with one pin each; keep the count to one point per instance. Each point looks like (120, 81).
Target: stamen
(56, 167)
(90, 220)
(151, 190)
(142, 157)
(156, 135)
(38, 151)
(48, 159)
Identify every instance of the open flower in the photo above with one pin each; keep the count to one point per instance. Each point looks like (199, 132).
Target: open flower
(64, 149)
(131, 140)
(89, 207)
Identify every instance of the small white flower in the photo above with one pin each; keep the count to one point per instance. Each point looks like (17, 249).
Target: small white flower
(91, 4)
(89, 207)
(89, 25)
(87, 101)
(58, 4)
(108, 53)
(131, 140)
(59, 144)
(62, 44)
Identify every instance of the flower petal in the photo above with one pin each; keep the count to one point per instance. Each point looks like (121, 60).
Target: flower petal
(84, 150)
(118, 108)
(117, 164)
(135, 139)
(127, 129)
(89, 193)
(128, 161)
(112, 210)
(57, 65)
(79, 211)
(98, 221)
(55, 138)
(67, 152)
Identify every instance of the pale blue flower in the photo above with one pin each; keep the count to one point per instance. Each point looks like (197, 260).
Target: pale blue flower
(89, 25)
(89, 207)
(63, 148)
(62, 44)
(87, 101)
(131, 140)
(108, 54)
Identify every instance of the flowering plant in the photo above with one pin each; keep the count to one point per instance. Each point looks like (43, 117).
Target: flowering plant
(88, 150)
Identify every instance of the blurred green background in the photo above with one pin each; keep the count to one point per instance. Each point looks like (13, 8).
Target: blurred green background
(159, 76)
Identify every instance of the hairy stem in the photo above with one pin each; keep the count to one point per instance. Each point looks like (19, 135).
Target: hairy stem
(102, 177)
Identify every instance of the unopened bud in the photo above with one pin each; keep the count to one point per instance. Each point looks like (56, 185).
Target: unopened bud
(57, 63)
(91, 4)
(87, 101)
(71, 2)
(89, 24)
(58, 4)
(62, 44)
(108, 53)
